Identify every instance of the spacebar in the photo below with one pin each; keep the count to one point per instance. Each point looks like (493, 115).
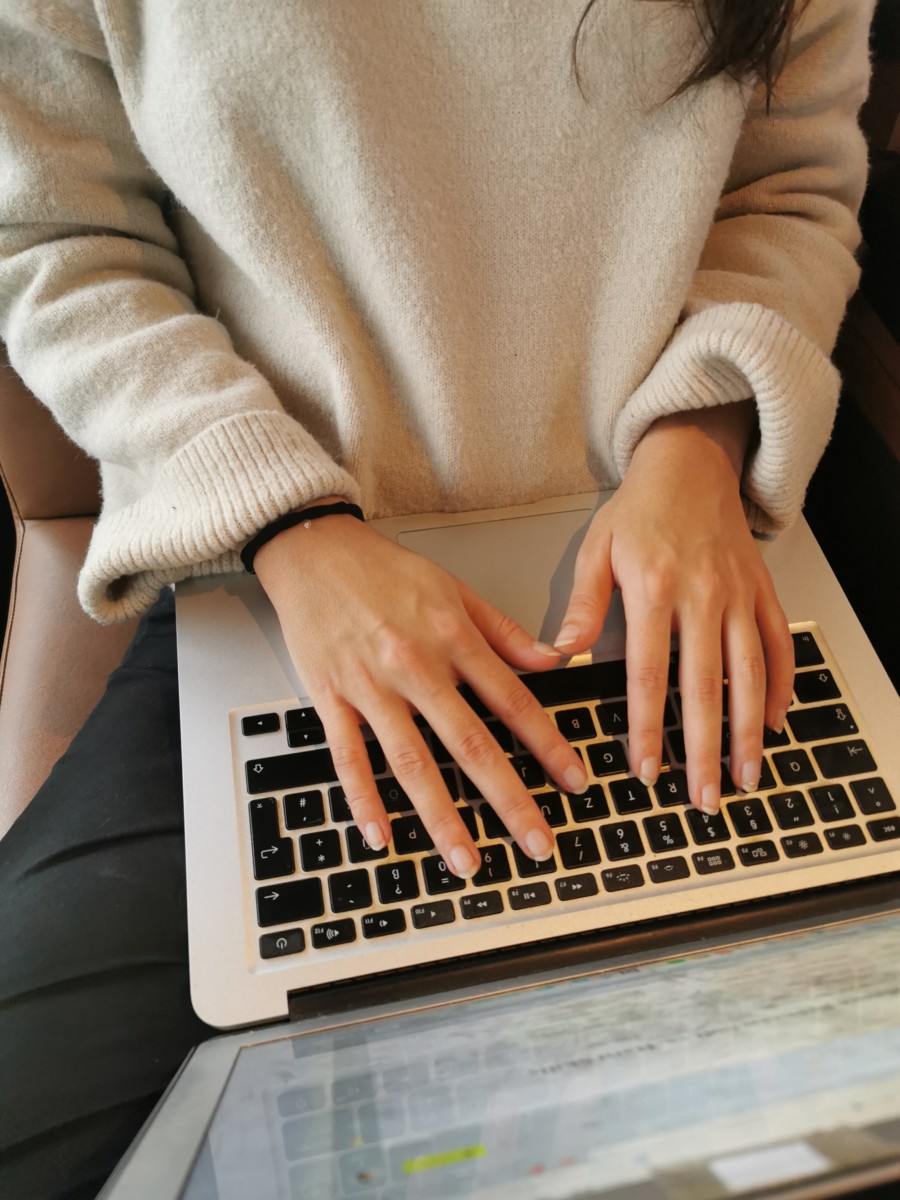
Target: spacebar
(302, 769)
(593, 681)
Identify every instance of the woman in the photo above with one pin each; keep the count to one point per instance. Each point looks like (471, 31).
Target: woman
(401, 255)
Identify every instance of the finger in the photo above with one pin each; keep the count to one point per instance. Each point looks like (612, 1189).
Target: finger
(648, 640)
(478, 754)
(592, 589)
(354, 770)
(417, 773)
(778, 649)
(505, 636)
(745, 666)
(700, 681)
(507, 697)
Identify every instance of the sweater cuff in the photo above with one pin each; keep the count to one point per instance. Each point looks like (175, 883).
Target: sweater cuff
(725, 354)
(219, 489)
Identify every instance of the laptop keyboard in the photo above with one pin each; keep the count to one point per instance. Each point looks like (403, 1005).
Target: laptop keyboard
(317, 885)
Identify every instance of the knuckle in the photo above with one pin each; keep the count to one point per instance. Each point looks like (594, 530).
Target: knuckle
(708, 589)
(705, 688)
(477, 746)
(582, 603)
(517, 703)
(450, 627)
(446, 828)
(400, 654)
(648, 677)
(751, 668)
(658, 585)
(409, 763)
(346, 756)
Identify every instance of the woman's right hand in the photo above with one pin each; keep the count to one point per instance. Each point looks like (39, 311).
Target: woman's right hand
(378, 634)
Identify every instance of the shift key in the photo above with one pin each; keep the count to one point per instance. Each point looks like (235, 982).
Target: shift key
(303, 769)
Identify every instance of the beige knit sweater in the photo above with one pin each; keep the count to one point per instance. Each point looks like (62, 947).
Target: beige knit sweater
(251, 254)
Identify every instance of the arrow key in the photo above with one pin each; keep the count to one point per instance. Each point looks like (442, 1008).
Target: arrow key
(481, 904)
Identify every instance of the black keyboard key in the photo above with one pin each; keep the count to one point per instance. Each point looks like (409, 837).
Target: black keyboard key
(469, 790)
(630, 796)
(577, 849)
(410, 836)
(771, 739)
(440, 912)
(302, 810)
(278, 945)
(664, 870)
(613, 717)
(529, 895)
(844, 837)
(575, 724)
(706, 828)
(676, 745)
(884, 829)
(451, 783)
(393, 797)
(669, 717)
(665, 833)
(671, 788)
(749, 817)
(333, 933)
(481, 904)
(297, 739)
(439, 751)
(590, 805)
(844, 758)
(791, 810)
(493, 826)
(574, 887)
(301, 718)
(384, 923)
(872, 796)
(755, 854)
(822, 721)
(468, 818)
(260, 723)
(812, 687)
(727, 786)
(494, 865)
(439, 878)
(527, 867)
(711, 862)
(337, 803)
(832, 803)
(303, 769)
(806, 652)
(793, 766)
(358, 849)
(349, 889)
(397, 881)
(502, 735)
(286, 903)
(273, 855)
(321, 850)
(551, 805)
(572, 685)
(621, 879)
(799, 845)
(607, 758)
(621, 840)
(529, 770)
(766, 778)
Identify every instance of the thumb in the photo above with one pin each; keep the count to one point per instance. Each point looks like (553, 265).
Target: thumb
(592, 589)
(505, 636)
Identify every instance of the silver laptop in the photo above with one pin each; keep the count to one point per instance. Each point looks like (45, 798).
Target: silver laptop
(286, 900)
(742, 1066)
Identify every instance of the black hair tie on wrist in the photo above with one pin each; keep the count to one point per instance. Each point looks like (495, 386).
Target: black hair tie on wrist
(295, 518)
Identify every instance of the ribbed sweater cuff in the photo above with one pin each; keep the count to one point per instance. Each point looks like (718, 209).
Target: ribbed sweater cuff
(219, 489)
(727, 353)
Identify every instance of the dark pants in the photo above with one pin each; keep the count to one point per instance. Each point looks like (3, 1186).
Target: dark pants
(95, 1012)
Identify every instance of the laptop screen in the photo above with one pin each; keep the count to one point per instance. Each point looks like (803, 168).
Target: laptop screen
(714, 1074)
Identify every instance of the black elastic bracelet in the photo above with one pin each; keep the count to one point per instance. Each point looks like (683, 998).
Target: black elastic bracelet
(295, 518)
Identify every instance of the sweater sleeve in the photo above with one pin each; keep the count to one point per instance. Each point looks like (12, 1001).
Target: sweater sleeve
(777, 269)
(97, 310)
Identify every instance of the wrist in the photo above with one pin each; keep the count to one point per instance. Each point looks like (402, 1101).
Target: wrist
(723, 432)
(275, 540)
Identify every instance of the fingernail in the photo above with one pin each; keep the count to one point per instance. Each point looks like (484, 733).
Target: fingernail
(649, 772)
(576, 779)
(538, 845)
(548, 651)
(375, 836)
(709, 800)
(780, 718)
(750, 776)
(568, 635)
(464, 862)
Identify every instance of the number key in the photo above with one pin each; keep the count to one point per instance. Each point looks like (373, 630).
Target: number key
(791, 810)
(665, 833)
(708, 828)
(622, 840)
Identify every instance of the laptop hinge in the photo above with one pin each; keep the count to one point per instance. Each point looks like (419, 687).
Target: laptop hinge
(784, 914)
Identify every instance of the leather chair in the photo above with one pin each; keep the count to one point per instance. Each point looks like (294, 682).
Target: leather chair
(55, 659)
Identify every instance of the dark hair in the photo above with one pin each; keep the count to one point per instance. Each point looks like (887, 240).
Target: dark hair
(744, 39)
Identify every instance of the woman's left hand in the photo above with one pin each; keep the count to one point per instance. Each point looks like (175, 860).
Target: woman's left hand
(675, 539)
